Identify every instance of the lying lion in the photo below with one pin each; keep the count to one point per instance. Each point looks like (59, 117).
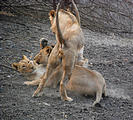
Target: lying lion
(30, 69)
(83, 80)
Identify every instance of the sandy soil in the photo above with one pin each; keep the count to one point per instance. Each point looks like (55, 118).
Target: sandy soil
(110, 55)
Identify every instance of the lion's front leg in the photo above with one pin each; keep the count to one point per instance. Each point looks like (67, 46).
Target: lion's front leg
(43, 80)
(34, 82)
(55, 77)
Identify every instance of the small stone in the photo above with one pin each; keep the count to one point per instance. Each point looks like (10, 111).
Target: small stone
(1, 38)
(8, 76)
(46, 104)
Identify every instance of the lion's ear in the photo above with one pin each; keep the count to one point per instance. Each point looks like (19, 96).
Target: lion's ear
(49, 49)
(52, 13)
(61, 53)
(52, 46)
(25, 58)
(15, 66)
(43, 43)
(68, 9)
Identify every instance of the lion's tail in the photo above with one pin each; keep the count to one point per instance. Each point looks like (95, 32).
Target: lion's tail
(59, 34)
(76, 11)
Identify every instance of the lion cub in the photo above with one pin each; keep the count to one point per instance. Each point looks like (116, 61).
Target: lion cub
(87, 82)
(30, 69)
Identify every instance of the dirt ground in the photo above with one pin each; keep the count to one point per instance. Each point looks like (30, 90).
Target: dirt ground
(111, 55)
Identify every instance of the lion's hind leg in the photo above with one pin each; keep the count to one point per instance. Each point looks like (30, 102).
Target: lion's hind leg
(98, 97)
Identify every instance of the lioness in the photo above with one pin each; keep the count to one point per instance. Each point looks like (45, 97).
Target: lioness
(70, 39)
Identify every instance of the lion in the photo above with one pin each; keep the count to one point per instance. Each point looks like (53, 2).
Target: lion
(30, 69)
(70, 39)
(87, 82)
